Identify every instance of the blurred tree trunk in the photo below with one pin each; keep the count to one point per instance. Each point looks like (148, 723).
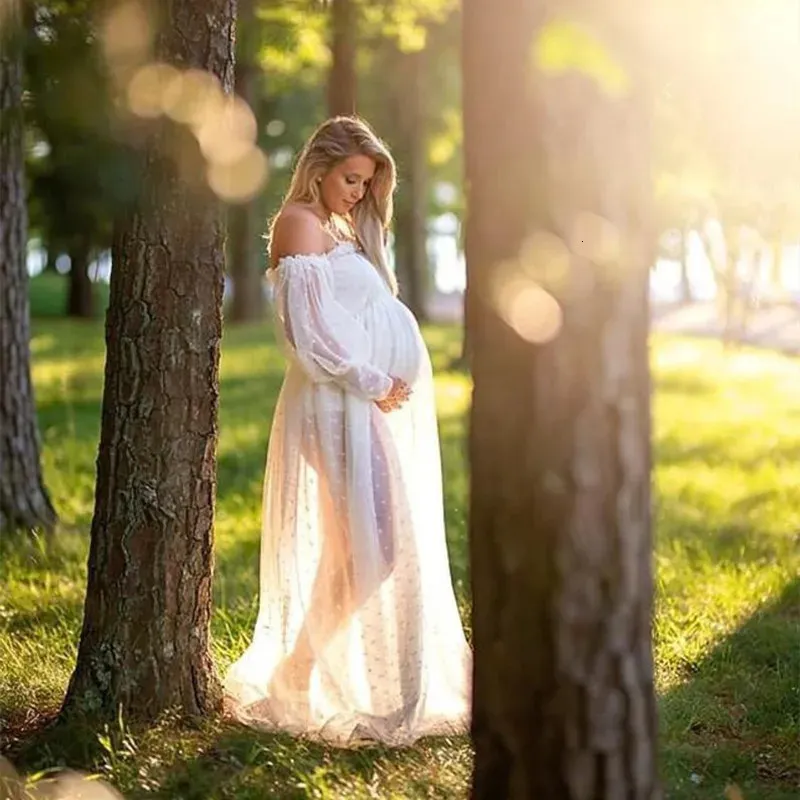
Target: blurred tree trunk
(708, 248)
(686, 283)
(410, 148)
(776, 266)
(560, 543)
(462, 360)
(244, 223)
(729, 286)
(80, 300)
(52, 254)
(24, 502)
(144, 645)
(342, 81)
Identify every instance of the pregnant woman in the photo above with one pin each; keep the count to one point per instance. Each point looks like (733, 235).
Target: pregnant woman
(358, 636)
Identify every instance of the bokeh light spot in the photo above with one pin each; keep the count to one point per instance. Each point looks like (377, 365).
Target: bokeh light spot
(545, 258)
(126, 35)
(193, 98)
(148, 87)
(275, 127)
(534, 314)
(228, 135)
(524, 305)
(239, 181)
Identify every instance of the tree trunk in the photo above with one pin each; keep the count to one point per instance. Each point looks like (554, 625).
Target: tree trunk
(247, 302)
(776, 267)
(342, 82)
(708, 247)
(244, 225)
(52, 255)
(686, 284)
(411, 230)
(560, 544)
(80, 298)
(145, 641)
(24, 502)
(729, 284)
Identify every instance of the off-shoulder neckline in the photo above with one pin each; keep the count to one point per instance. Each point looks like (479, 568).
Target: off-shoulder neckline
(339, 247)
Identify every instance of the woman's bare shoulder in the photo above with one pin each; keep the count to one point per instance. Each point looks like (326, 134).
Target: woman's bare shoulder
(297, 231)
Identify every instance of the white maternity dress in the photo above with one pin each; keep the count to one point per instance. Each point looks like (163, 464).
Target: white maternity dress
(358, 636)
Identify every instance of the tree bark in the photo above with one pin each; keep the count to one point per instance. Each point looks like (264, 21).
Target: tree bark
(411, 229)
(80, 300)
(342, 81)
(145, 641)
(559, 444)
(244, 227)
(24, 502)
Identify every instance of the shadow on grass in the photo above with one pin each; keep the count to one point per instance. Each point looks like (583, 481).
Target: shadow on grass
(733, 540)
(673, 450)
(736, 716)
(216, 758)
(685, 383)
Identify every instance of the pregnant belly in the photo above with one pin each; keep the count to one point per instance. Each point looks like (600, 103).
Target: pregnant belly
(398, 345)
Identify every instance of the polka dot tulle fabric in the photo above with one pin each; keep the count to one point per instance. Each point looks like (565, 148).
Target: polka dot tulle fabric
(358, 637)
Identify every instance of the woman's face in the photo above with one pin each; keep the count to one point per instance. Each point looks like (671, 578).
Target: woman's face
(346, 183)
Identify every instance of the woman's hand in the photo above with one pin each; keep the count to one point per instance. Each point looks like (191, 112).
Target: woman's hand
(397, 397)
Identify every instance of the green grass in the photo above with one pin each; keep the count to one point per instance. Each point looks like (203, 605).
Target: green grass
(49, 297)
(727, 511)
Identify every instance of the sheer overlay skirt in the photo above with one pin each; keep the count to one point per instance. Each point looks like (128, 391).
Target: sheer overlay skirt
(358, 634)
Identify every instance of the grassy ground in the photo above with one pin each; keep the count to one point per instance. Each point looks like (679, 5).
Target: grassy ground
(728, 560)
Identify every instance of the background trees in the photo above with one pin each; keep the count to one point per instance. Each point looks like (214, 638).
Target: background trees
(24, 502)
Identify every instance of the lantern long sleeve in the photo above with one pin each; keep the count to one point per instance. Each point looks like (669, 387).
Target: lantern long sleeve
(328, 342)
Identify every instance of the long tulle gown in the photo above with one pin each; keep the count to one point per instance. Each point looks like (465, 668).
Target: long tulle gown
(358, 636)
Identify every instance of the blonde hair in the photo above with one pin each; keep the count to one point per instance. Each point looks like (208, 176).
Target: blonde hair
(331, 143)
